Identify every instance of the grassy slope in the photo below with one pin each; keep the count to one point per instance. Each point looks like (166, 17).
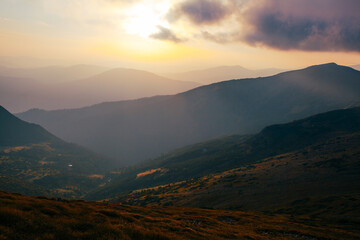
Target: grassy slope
(47, 165)
(45, 218)
(322, 180)
(38, 159)
(15, 185)
(231, 152)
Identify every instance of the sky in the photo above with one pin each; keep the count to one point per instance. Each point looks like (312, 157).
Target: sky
(182, 35)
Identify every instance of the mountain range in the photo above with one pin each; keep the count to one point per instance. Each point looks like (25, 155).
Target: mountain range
(256, 170)
(124, 84)
(80, 85)
(222, 73)
(140, 129)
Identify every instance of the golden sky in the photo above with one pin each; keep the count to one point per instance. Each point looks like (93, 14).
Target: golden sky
(166, 35)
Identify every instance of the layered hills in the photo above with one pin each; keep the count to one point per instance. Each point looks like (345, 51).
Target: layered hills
(295, 180)
(124, 84)
(144, 128)
(80, 85)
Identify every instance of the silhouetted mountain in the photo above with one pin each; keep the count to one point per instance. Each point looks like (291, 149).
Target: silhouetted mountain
(124, 84)
(222, 73)
(23, 88)
(15, 132)
(140, 129)
(58, 88)
(35, 157)
(231, 152)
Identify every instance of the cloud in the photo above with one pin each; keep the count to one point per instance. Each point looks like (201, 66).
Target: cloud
(310, 25)
(166, 34)
(200, 12)
(220, 38)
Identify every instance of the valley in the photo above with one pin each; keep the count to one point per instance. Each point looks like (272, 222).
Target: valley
(179, 120)
(294, 180)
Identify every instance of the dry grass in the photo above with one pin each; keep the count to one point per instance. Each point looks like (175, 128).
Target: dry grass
(15, 149)
(24, 217)
(152, 171)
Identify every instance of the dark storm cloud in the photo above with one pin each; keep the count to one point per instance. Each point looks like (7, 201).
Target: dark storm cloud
(316, 25)
(166, 34)
(309, 25)
(200, 11)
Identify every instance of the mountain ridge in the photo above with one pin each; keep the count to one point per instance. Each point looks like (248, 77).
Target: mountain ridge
(222, 73)
(56, 90)
(141, 129)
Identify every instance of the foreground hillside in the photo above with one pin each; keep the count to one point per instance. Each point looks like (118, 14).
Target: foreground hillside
(49, 218)
(231, 152)
(34, 161)
(141, 129)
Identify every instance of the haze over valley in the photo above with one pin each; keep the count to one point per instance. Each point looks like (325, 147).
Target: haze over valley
(136, 130)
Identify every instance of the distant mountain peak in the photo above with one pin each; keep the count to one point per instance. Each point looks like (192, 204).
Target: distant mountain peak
(325, 65)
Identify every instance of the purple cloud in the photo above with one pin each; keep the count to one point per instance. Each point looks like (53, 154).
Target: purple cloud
(309, 25)
(312, 25)
(200, 12)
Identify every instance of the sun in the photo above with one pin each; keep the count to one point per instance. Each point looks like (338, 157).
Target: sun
(143, 19)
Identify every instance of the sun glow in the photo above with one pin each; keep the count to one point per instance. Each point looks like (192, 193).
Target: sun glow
(143, 19)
